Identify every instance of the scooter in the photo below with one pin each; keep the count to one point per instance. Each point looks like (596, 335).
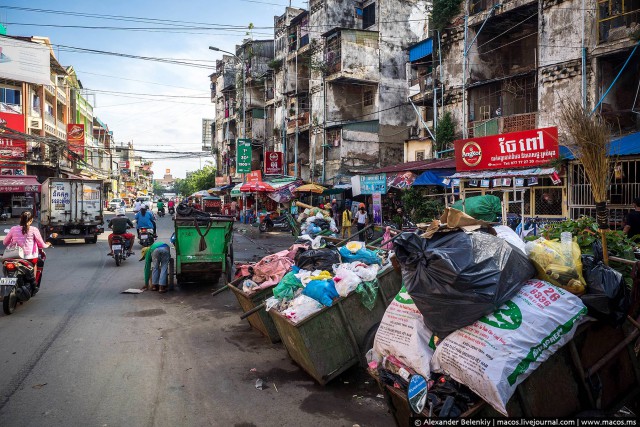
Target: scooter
(120, 248)
(161, 212)
(20, 283)
(145, 236)
(279, 223)
(172, 210)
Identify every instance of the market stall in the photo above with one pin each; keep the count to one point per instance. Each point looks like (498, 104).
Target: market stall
(19, 193)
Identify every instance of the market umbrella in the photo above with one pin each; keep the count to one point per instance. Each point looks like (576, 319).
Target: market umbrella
(310, 188)
(200, 193)
(256, 186)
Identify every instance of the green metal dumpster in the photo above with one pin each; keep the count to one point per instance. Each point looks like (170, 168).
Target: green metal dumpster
(204, 248)
(336, 338)
(259, 320)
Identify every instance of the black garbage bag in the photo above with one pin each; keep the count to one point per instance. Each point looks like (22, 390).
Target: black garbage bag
(318, 259)
(322, 223)
(607, 297)
(455, 278)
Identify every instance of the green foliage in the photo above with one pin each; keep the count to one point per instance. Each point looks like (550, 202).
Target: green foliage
(443, 12)
(275, 64)
(420, 208)
(585, 230)
(446, 132)
(158, 189)
(202, 179)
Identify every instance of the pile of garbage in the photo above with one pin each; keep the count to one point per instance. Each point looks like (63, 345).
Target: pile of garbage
(480, 310)
(315, 224)
(322, 274)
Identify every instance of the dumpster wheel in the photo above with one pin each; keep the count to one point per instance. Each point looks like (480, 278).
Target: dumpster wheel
(369, 338)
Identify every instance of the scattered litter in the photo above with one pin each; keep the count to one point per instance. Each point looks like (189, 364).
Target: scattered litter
(228, 305)
(260, 384)
(274, 386)
(132, 291)
(379, 396)
(366, 382)
(39, 386)
(188, 369)
(160, 338)
(346, 382)
(253, 370)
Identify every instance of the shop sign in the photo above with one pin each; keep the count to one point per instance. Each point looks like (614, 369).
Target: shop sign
(123, 164)
(508, 150)
(75, 138)
(370, 184)
(243, 156)
(10, 148)
(254, 176)
(273, 164)
(13, 168)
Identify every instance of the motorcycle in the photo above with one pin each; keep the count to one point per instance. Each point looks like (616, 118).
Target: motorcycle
(120, 248)
(20, 283)
(161, 212)
(279, 223)
(145, 236)
(172, 210)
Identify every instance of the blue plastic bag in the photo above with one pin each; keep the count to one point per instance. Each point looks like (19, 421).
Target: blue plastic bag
(323, 291)
(363, 255)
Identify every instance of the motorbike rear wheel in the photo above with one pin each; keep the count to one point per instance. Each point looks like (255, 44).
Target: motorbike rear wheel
(118, 257)
(10, 302)
(262, 227)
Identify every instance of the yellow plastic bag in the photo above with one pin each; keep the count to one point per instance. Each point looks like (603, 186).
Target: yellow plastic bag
(324, 275)
(558, 264)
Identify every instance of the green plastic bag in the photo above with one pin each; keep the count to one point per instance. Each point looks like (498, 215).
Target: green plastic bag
(368, 292)
(485, 208)
(287, 287)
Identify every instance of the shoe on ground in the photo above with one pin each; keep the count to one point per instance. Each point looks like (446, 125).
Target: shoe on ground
(162, 290)
(144, 288)
(130, 253)
(154, 288)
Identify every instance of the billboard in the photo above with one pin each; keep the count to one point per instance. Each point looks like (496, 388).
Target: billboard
(10, 148)
(523, 149)
(24, 61)
(371, 184)
(243, 156)
(75, 138)
(273, 163)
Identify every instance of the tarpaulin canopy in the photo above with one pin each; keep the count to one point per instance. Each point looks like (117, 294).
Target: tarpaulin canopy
(623, 146)
(19, 184)
(433, 177)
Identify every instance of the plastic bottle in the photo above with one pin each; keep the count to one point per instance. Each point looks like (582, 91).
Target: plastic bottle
(566, 239)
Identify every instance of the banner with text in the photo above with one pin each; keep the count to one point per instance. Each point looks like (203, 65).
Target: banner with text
(370, 184)
(243, 156)
(273, 164)
(75, 138)
(11, 148)
(523, 149)
(25, 61)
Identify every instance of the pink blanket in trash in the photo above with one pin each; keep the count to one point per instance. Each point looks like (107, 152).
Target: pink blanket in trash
(271, 269)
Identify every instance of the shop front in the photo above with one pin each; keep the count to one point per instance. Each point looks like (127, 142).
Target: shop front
(19, 194)
(516, 168)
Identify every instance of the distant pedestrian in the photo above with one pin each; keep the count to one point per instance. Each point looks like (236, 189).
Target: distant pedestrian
(346, 223)
(335, 212)
(362, 219)
(632, 221)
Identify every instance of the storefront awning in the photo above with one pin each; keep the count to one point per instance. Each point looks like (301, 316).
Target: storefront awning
(624, 146)
(19, 184)
(506, 173)
(235, 191)
(433, 177)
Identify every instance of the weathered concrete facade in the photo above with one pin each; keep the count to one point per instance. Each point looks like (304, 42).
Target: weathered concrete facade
(528, 59)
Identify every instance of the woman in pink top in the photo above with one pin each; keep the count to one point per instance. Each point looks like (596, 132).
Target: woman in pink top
(27, 237)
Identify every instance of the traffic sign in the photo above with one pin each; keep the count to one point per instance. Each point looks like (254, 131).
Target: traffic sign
(243, 155)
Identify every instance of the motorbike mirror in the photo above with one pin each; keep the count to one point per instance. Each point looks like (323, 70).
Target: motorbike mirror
(417, 393)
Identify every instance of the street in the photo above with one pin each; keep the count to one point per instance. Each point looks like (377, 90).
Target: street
(82, 353)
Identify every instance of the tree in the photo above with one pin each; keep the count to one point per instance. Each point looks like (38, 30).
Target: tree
(446, 132)
(202, 179)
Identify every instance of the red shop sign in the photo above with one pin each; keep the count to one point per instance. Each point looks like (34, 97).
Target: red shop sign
(273, 164)
(507, 150)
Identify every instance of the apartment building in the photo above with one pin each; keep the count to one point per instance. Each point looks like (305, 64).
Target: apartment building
(334, 92)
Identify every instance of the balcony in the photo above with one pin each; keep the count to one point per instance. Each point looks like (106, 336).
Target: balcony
(617, 20)
(497, 125)
(51, 89)
(352, 56)
(298, 121)
(49, 118)
(62, 95)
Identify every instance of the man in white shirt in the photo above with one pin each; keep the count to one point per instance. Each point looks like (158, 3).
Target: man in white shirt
(137, 206)
(362, 219)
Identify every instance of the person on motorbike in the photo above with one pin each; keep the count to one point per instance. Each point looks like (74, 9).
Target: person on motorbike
(160, 206)
(119, 225)
(145, 219)
(26, 237)
(171, 204)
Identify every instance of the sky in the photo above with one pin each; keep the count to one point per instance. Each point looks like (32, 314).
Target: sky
(158, 106)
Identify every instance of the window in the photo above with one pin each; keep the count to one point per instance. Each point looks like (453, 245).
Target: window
(367, 98)
(334, 137)
(35, 103)
(369, 16)
(419, 155)
(10, 96)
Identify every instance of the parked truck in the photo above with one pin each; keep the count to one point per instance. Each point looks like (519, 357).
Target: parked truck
(72, 209)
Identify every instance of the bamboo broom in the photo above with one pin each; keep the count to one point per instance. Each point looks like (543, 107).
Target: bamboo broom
(589, 140)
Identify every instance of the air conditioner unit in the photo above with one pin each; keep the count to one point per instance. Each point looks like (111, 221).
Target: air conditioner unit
(35, 123)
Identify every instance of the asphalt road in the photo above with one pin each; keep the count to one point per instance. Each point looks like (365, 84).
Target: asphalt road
(83, 354)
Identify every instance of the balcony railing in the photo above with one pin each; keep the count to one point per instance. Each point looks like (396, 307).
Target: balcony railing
(299, 120)
(49, 118)
(494, 126)
(62, 96)
(51, 89)
(617, 20)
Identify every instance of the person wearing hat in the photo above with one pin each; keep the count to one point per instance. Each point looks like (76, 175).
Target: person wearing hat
(157, 256)
(119, 225)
